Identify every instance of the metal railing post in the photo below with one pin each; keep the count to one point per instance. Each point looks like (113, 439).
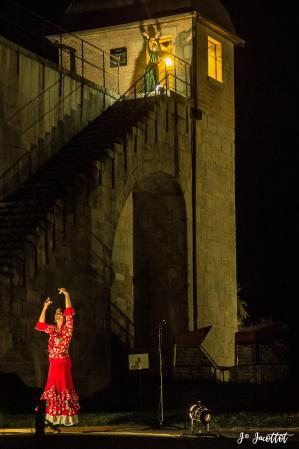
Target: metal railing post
(104, 80)
(104, 71)
(49, 106)
(186, 79)
(63, 97)
(82, 59)
(30, 163)
(33, 115)
(82, 75)
(60, 62)
(43, 42)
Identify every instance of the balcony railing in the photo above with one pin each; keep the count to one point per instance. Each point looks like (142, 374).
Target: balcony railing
(168, 78)
(40, 35)
(34, 124)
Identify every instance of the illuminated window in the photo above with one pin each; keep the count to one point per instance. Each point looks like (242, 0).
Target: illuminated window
(214, 59)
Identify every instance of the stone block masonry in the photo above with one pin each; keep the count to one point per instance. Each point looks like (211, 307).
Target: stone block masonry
(122, 233)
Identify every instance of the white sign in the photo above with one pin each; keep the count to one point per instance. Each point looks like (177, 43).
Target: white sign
(138, 361)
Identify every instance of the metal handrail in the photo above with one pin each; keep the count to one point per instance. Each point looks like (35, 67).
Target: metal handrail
(19, 111)
(141, 79)
(35, 99)
(31, 108)
(40, 118)
(59, 28)
(35, 157)
(129, 337)
(60, 46)
(139, 91)
(103, 69)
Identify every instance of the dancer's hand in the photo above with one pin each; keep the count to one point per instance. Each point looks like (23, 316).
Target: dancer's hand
(47, 303)
(145, 35)
(157, 35)
(63, 291)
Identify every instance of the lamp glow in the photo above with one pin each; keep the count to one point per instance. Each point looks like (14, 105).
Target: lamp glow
(159, 89)
(168, 61)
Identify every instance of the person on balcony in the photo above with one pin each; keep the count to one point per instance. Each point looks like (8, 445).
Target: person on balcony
(62, 405)
(151, 79)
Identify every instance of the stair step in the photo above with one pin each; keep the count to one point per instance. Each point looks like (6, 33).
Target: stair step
(104, 137)
(17, 212)
(15, 229)
(16, 222)
(69, 176)
(5, 267)
(23, 210)
(87, 144)
(6, 249)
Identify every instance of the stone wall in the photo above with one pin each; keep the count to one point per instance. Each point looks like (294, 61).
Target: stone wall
(40, 110)
(260, 374)
(160, 259)
(75, 250)
(190, 362)
(216, 244)
(215, 203)
(130, 36)
(259, 354)
(140, 194)
(69, 255)
(122, 291)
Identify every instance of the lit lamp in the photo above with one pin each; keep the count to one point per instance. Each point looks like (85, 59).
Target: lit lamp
(200, 414)
(168, 61)
(159, 89)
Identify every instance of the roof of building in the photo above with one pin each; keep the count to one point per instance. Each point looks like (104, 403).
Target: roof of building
(264, 333)
(89, 14)
(191, 338)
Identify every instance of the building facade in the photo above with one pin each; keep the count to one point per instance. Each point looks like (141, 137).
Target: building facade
(144, 233)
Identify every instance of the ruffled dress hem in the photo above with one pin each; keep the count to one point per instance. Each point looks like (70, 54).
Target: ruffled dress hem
(62, 420)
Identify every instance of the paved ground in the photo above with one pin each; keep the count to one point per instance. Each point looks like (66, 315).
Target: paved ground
(141, 437)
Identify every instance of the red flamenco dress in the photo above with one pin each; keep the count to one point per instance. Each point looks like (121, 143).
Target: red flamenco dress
(62, 405)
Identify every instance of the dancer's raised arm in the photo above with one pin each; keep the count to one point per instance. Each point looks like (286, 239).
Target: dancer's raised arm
(68, 302)
(42, 317)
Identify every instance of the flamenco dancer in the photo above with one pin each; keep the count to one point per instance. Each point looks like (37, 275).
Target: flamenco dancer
(62, 405)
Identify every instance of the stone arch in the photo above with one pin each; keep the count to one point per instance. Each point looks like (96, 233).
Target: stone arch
(149, 261)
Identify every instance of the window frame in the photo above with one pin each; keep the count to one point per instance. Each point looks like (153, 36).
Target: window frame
(215, 59)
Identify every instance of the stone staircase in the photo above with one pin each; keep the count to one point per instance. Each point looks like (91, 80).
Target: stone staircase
(24, 210)
(44, 111)
(37, 139)
(122, 327)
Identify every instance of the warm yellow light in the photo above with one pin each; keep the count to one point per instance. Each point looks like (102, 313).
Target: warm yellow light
(168, 61)
(214, 59)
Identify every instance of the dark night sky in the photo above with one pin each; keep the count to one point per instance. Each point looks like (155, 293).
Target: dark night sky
(265, 80)
(265, 157)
